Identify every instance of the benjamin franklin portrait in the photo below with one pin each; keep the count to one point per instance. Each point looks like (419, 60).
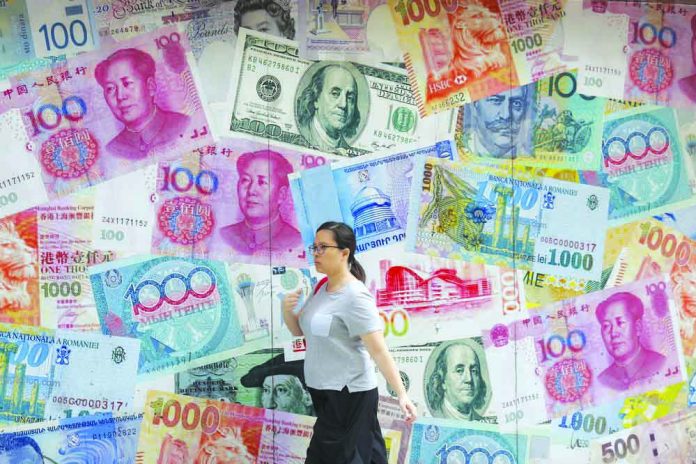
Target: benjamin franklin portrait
(331, 106)
(456, 381)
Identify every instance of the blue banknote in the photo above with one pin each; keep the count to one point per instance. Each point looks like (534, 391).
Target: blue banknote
(436, 441)
(181, 309)
(81, 440)
(369, 193)
(43, 372)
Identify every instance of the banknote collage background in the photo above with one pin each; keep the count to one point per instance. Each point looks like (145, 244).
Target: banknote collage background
(520, 176)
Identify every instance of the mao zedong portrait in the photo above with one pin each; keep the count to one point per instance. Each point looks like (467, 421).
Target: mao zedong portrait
(127, 78)
(621, 319)
(261, 190)
(456, 388)
(283, 385)
(327, 109)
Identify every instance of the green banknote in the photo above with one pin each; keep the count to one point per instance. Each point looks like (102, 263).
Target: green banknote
(330, 106)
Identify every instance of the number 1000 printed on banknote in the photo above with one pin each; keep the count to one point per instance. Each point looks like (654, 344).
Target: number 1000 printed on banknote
(458, 51)
(480, 214)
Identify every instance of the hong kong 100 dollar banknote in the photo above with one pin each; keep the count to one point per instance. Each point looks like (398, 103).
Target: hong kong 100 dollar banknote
(339, 107)
(488, 214)
(108, 112)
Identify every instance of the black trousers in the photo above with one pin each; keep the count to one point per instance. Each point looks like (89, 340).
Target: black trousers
(346, 430)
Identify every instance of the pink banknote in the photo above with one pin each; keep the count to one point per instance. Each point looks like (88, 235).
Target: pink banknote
(661, 50)
(104, 113)
(586, 351)
(231, 202)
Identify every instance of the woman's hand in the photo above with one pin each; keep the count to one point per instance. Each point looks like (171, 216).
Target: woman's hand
(291, 299)
(408, 408)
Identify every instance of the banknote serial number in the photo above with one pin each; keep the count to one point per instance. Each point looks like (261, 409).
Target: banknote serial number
(269, 63)
(18, 179)
(115, 434)
(124, 221)
(574, 244)
(408, 359)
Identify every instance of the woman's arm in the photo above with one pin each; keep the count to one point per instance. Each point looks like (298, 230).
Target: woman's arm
(376, 346)
(290, 318)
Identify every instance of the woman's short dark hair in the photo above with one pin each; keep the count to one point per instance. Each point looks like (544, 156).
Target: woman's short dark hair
(278, 10)
(345, 238)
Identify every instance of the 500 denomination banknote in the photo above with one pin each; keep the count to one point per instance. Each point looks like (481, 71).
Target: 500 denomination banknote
(338, 107)
(586, 352)
(182, 309)
(111, 111)
(479, 213)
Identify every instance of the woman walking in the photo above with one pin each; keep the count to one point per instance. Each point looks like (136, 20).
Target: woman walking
(343, 329)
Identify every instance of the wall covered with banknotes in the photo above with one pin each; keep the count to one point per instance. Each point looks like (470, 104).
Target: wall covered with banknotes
(520, 176)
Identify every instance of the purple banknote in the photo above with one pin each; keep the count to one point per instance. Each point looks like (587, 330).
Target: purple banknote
(108, 112)
(231, 202)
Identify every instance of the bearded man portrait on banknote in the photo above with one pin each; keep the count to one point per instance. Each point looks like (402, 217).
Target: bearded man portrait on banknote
(621, 318)
(127, 78)
(327, 109)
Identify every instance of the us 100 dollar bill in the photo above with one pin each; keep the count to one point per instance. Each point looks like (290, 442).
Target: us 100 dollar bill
(331, 106)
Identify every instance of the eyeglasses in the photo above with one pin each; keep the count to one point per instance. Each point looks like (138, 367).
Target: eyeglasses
(321, 248)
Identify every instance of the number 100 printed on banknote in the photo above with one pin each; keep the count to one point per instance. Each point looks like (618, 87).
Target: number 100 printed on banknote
(480, 214)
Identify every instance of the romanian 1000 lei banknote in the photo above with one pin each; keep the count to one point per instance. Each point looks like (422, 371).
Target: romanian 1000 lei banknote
(479, 213)
(370, 194)
(659, 59)
(181, 309)
(108, 112)
(546, 123)
(587, 351)
(85, 439)
(42, 373)
(330, 106)
(461, 51)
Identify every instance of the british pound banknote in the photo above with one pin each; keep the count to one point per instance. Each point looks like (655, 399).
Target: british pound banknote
(198, 430)
(585, 352)
(42, 374)
(479, 213)
(546, 123)
(108, 112)
(370, 194)
(338, 107)
(459, 52)
(181, 309)
(91, 438)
